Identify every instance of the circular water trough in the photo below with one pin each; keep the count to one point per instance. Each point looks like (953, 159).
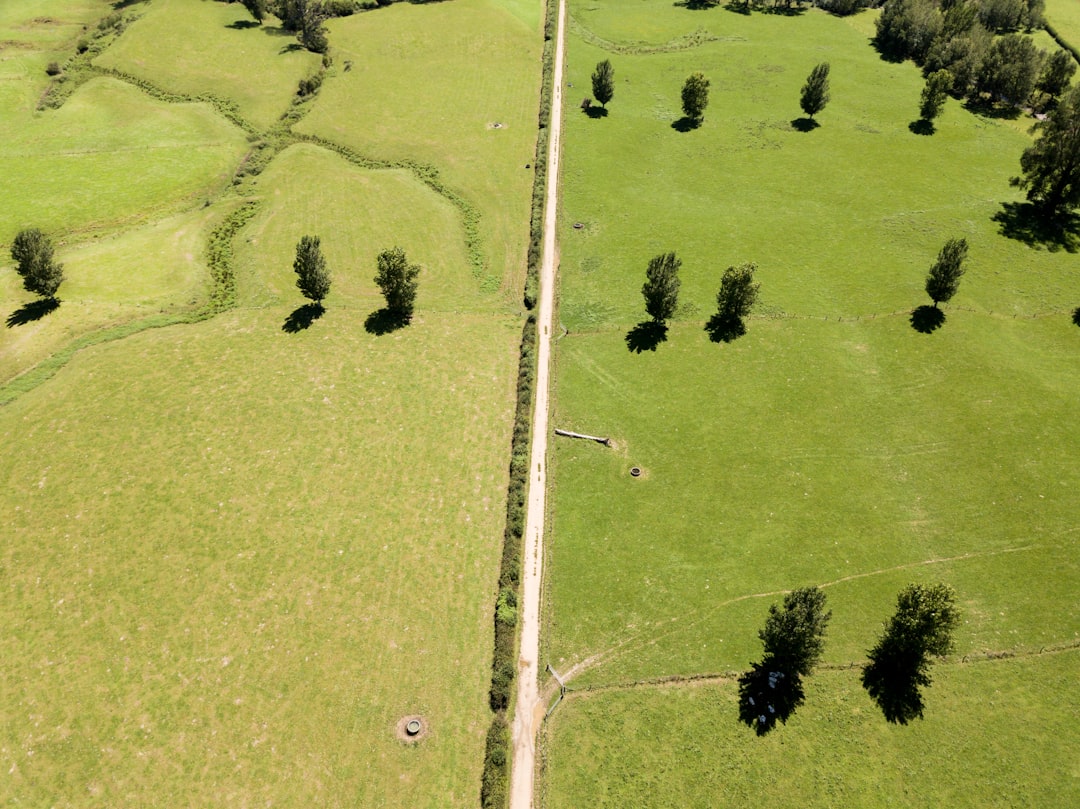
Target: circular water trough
(635, 471)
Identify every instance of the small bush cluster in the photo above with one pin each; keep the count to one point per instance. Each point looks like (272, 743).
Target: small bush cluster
(493, 789)
(310, 86)
(219, 257)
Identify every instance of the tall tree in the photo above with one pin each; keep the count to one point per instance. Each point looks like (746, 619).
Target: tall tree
(603, 82)
(661, 288)
(899, 663)
(738, 292)
(32, 252)
(1051, 165)
(396, 278)
(794, 638)
(313, 277)
(934, 94)
(815, 93)
(695, 96)
(944, 277)
(794, 635)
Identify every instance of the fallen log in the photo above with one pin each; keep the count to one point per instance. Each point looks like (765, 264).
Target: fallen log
(570, 434)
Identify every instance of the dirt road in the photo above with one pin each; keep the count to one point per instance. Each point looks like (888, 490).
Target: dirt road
(528, 712)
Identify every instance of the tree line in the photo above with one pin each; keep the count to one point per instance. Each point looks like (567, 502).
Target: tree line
(897, 667)
(396, 278)
(738, 293)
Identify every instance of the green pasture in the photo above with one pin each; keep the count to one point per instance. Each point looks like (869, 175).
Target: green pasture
(195, 47)
(426, 84)
(832, 445)
(235, 557)
(110, 155)
(996, 734)
(1064, 16)
(862, 455)
(843, 220)
(237, 552)
(148, 270)
(357, 213)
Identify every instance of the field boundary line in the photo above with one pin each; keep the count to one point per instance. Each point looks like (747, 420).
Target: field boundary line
(707, 678)
(672, 625)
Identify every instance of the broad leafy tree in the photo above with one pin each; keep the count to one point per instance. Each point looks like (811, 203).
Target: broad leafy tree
(1010, 69)
(695, 96)
(899, 664)
(313, 276)
(603, 82)
(661, 289)
(794, 638)
(934, 94)
(961, 53)
(32, 252)
(1051, 165)
(944, 277)
(907, 28)
(1056, 74)
(815, 93)
(396, 278)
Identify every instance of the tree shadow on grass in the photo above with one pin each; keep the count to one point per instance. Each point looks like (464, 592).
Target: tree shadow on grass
(804, 124)
(302, 317)
(784, 11)
(1076, 316)
(686, 124)
(1034, 227)
(738, 8)
(922, 127)
(383, 321)
(768, 695)
(295, 47)
(697, 5)
(988, 108)
(894, 684)
(35, 310)
(646, 336)
(277, 31)
(595, 112)
(725, 329)
(243, 25)
(927, 319)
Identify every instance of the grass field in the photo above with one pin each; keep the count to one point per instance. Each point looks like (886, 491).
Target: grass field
(423, 223)
(427, 84)
(1064, 16)
(234, 557)
(979, 745)
(239, 551)
(111, 155)
(832, 445)
(195, 47)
